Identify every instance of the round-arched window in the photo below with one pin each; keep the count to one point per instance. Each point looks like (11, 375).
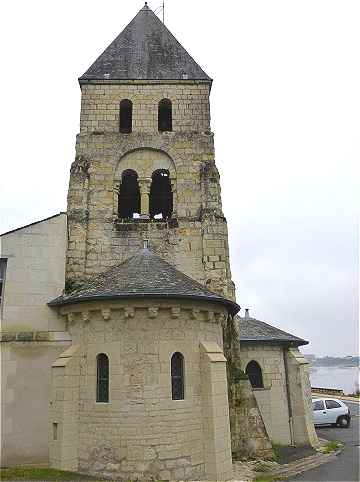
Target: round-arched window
(161, 196)
(129, 195)
(102, 378)
(125, 116)
(177, 376)
(253, 371)
(165, 115)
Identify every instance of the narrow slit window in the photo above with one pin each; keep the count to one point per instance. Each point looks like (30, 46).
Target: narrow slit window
(129, 196)
(161, 196)
(253, 371)
(102, 378)
(2, 279)
(125, 117)
(55, 431)
(165, 115)
(177, 376)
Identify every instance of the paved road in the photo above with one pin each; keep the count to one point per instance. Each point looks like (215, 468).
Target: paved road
(346, 466)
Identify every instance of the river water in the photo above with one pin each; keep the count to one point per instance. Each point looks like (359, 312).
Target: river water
(343, 378)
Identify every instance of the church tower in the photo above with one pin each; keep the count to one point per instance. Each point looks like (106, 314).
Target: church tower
(145, 164)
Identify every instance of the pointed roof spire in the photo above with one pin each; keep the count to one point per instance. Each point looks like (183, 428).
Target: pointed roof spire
(145, 50)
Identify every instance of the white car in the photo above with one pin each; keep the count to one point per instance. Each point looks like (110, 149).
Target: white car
(331, 411)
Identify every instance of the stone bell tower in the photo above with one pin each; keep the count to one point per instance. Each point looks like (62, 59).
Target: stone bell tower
(145, 165)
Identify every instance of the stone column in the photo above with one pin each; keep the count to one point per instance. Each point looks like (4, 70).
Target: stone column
(116, 192)
(174, 193)
(144, 185)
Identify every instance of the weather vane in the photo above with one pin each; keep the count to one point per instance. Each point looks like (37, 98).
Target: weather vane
(158, 9)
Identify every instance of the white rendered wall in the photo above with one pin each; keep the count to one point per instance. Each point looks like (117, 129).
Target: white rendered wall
(35, 275)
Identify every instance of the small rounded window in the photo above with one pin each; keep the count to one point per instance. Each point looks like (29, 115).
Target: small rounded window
(253, 371)
(177, 376)
(102, 378)
(125, 117)
(165, 115)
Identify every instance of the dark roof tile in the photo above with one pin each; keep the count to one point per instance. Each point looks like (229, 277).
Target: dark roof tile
(256, 331)
(145, 50)
(144, 275)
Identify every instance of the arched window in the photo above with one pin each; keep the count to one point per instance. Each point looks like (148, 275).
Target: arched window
(177, 376)
(161, 197)
(129, 196)
(165, 115)
(102, 378)
(253, 371)
(125, 116)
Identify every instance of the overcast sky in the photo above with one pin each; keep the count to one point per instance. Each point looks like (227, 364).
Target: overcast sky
(285, 110)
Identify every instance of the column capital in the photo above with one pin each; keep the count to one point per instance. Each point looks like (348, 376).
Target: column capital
(144, 185)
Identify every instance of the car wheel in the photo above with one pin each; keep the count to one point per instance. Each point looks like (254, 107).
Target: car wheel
(343, 422)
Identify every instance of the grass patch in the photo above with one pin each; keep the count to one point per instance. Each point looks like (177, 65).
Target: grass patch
(44, 474)
(267, 478)
(264, 478)
(330, 447)
(277, 454)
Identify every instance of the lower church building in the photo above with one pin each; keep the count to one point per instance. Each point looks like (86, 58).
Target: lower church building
(122, 350)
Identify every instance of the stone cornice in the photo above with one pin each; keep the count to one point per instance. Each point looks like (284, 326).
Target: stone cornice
(37, 336)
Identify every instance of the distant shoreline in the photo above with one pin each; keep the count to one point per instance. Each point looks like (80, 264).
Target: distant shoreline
(321, 365)
(336, 362)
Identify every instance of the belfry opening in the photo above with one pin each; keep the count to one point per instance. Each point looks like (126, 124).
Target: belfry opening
(161, 196)
(129, 196)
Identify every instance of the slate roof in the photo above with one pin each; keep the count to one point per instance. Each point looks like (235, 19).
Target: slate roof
(144, 275)
(145, 50)
(256, 331)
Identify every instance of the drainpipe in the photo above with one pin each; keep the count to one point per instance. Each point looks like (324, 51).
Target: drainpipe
(291, 426)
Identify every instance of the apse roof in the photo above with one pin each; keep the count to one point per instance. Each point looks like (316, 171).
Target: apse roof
(256, 331)
(145, 50)
(144, 275)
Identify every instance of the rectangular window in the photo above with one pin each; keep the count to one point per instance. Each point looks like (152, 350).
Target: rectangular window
(2, 278)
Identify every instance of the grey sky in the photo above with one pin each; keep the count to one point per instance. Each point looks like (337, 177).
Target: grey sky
(286, 117)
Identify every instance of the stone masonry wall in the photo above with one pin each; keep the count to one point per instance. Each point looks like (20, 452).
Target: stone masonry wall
(100, 105)
(143, 433)
(272, 399)
(195, 239)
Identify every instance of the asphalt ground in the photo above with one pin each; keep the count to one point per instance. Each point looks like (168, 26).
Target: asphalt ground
(345, 468)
